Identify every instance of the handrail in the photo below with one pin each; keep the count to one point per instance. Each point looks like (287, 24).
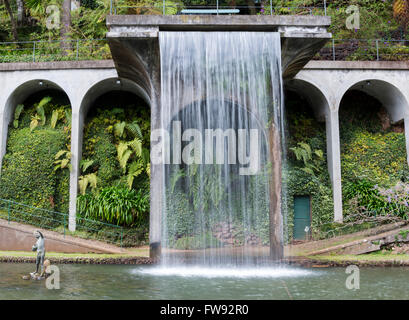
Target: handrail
(50, 219)
(162, 8)
(98, 49)
(54, 50)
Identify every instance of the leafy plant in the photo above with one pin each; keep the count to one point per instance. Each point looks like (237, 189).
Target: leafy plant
(17, 113)
(126, 149)
(115, 205)
(367, 195)
(88, 180)
(64, 162)
(312, 159)
(40, 115)
(85, 164)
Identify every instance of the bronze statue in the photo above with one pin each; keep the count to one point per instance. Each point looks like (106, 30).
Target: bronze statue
(40, 248)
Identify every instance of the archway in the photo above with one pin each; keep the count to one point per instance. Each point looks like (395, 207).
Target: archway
(373, 147)
(35, 151)
(113, 155)
(309, 154)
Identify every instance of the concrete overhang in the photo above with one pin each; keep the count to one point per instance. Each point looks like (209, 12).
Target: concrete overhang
(134, 44)
(120, 26)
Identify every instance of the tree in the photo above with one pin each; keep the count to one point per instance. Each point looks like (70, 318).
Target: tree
(13, 22)
(401, 12)
(20, 12)
(66, 24)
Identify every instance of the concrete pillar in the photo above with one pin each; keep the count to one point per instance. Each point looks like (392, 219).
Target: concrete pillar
(5, 118)
(406, 122)
(77, 125)
(334, 161)
(3, 138)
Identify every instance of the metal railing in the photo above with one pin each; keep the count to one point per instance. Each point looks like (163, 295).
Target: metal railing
(98, 49)
(166, 7)
(57, 221)
(54, 50)
(364, 50)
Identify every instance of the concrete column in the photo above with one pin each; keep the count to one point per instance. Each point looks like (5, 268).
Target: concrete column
(406, 122)
(5, 117)
(77, 126)
(334, 161)
(3, 138)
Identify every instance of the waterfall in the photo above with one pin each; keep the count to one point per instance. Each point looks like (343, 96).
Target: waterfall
(221, 92)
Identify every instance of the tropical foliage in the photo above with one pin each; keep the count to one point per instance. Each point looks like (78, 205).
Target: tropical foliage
(114, 184)
(35, 170)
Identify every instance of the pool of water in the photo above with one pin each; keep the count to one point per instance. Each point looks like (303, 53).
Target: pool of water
(153, 282)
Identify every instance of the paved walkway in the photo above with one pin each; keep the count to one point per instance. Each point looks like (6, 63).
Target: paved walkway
(92, 245)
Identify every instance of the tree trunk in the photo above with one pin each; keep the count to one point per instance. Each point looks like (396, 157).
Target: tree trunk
(13, 22)
(66, 26)
(20, 12)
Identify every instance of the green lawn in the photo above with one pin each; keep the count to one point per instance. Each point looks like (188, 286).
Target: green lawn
(132, 252)
(375, 257)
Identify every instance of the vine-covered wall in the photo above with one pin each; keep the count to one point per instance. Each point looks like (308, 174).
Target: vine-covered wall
(41, 128)
(373, 161)
(307, 177)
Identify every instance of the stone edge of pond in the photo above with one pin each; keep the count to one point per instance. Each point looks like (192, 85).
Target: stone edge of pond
(321, 263)
(82, 260)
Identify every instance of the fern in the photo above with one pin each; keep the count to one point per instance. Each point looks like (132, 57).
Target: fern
(119, 129)
(136, 146)
(89, 179)
(85, 164)
(54, 118)
(34, 122)
(134, 130)
(40, 109)
(64, 162)
(123, 154)
(68, 116)
(17, 113)
(135, 169)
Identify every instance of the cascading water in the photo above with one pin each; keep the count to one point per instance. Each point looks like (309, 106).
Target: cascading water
(221, 95)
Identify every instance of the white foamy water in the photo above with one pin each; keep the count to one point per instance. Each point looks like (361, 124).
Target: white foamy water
(230, 272)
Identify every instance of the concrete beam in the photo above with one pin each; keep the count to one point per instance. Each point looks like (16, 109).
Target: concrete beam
(313, 24)
(57, 65)
(302, 36)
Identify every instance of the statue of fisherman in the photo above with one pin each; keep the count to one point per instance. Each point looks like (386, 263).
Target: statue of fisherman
(40, 248)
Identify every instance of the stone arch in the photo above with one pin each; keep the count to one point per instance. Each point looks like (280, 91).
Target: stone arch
(316, 97)
(103, 87)
(92, 94)
(388, 94)
(19, 95)
(320, 103)
(385, 94)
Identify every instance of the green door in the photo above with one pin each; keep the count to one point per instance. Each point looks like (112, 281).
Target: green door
(302, 216)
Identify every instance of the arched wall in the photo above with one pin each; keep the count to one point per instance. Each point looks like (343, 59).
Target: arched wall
(315, 97)
(18, 96)
(387, 93)
(389, 86)
(319, 100)
(88, 98)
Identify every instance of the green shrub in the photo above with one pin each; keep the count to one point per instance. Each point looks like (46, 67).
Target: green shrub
(28, 169)
(115, 205)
